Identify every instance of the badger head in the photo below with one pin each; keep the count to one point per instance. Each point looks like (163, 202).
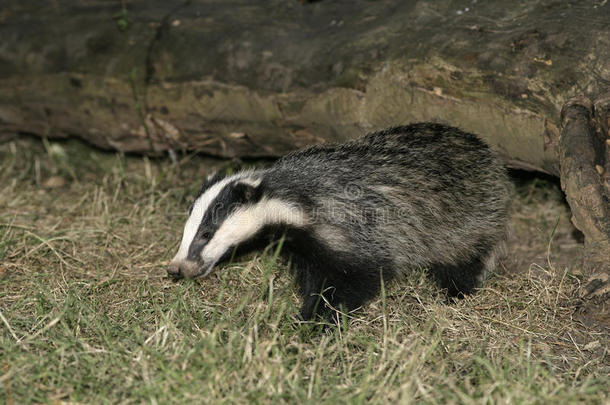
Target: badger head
(228, 211)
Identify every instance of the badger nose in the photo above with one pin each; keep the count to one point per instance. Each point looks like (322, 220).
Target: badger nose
(174, 270)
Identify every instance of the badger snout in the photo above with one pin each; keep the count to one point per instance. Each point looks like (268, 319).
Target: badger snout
(173, 269)
(188, 269)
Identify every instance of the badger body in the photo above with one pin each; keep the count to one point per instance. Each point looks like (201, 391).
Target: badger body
(417, 196)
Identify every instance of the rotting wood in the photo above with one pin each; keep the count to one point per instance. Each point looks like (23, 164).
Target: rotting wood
(149, 75)
(585, 184)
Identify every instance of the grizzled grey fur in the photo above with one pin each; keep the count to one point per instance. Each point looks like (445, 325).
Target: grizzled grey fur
(417, 196)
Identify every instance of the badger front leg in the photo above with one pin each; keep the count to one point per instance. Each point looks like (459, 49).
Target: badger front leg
(325, 291)
(311, 287)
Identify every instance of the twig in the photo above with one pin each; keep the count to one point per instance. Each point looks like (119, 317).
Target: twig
(40, 331)
(512, 326)
(5, 225)
(48, 244)
(9, 327)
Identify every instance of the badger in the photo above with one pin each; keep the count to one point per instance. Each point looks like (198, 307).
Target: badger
(355, 214)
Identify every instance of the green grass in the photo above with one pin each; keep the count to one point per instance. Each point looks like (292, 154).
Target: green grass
(88, 315)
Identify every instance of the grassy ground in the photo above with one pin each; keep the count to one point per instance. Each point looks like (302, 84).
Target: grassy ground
(87, 314)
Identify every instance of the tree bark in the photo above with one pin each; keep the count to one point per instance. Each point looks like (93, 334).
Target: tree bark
(584, 179)
(237, 78)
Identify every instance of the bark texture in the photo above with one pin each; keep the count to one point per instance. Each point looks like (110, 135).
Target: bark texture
(584, 157)
(243, 78)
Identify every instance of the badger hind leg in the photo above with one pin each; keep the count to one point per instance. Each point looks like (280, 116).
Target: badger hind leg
(463, 278)
(492, 259)
(458, 279)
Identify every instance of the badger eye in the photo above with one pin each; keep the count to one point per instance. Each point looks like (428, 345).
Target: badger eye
(205, 235)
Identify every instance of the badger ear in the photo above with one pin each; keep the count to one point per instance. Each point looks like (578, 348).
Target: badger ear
(247, 192)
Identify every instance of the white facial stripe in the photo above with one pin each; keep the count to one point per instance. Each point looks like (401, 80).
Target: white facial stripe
(251, 182)
(246, 222)
(200, 206)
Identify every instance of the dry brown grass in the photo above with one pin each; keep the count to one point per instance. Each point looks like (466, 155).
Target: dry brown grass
(88, 315)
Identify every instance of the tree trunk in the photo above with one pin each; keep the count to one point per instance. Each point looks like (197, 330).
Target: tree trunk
(242, 78)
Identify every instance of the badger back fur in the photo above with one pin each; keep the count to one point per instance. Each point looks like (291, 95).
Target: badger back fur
(417, 196)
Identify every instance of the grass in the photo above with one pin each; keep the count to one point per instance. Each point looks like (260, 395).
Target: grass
(87, 314)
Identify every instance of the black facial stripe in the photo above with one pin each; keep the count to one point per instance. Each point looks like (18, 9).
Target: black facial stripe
(232, 196)
(194, 253)
(207, 183)
(211, 221)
